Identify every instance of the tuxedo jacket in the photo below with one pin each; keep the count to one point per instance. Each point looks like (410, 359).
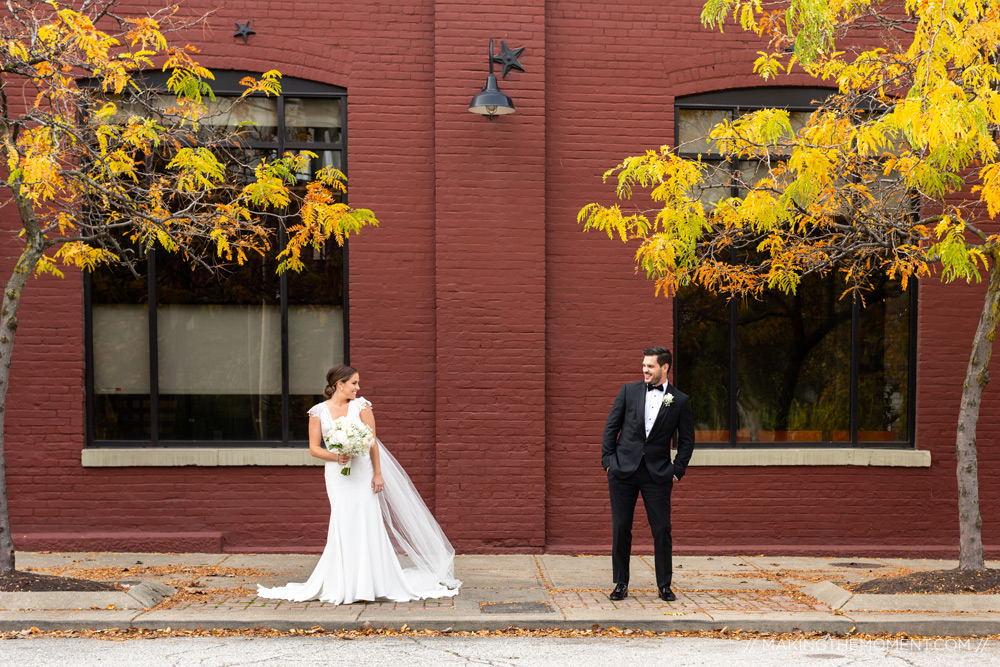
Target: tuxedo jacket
(625, 441)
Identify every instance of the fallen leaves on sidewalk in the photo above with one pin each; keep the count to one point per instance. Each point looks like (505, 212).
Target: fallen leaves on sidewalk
(811, 576)
(198, 595)
(171, 574)
(184, 577)
(374, 633)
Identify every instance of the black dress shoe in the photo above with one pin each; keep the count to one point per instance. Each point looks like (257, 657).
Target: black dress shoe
(667, 594)
(620, 592)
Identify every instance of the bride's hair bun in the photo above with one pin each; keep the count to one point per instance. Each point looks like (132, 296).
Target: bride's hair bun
(337, 374)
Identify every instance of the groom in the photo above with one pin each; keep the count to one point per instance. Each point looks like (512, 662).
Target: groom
(636, 455)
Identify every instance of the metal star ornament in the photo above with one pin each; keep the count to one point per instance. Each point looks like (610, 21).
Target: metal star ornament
(509, 58)
(243, 30)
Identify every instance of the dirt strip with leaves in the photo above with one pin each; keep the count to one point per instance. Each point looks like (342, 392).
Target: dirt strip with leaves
(128, 634)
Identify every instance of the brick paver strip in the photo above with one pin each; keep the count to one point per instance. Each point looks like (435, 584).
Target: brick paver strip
(241, 603)
(687, 602)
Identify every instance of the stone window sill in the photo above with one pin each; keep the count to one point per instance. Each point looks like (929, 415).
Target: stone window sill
(250, 456)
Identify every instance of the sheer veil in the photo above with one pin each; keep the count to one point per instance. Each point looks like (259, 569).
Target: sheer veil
(412, 528)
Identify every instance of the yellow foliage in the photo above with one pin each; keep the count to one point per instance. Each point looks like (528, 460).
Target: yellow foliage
(269, 84)
(83, 256)
(88, 162)
(879, 179)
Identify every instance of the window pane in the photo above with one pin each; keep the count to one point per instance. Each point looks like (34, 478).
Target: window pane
(315, 331)
(717, 185)
(256, 118)
(750, 173)
(219, 351)
(694, 126)
(323, 159)
(218, 335)
(883, 385)
(793, 351)
(799, 119)
(312, 120)
(794, 371)
(220, 372)
(702, 364)
(240, 163)
(120, 328)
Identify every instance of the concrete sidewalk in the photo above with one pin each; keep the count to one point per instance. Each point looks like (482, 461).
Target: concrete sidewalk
(756, 593)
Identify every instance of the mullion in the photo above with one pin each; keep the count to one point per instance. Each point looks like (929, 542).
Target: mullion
(154, 350)
(88, 359)
(283, 298)
(344, 249)
(734, 413)
(911, 373)
(855, 368)
(734, 316)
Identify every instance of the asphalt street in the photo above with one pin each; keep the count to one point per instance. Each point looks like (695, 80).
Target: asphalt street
(499, 651)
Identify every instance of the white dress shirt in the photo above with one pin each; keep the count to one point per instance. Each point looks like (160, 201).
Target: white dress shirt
(654, 400)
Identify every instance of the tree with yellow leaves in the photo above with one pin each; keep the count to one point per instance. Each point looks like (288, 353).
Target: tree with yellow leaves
(894, 175)
(102, 167)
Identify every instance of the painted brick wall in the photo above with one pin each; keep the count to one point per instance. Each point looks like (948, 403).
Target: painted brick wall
(490, 280)
(383, 54)
(613, 78)
(491, 333)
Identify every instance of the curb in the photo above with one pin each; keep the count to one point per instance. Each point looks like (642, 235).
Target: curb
(139, 596)
(837, 626)
(838, 598)
(842, 626)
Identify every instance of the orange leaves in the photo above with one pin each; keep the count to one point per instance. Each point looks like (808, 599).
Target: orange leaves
(321, 218)
(78, 31)
(145, 31)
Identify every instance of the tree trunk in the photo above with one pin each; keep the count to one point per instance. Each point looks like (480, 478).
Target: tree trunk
(34, 247)
(970, 522)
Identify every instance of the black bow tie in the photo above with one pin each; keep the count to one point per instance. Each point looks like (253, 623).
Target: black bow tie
(651, 387)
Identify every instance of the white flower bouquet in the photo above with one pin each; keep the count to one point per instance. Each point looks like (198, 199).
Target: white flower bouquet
(349, 436)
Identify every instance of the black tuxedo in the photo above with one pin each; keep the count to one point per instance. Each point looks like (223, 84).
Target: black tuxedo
(637, 463)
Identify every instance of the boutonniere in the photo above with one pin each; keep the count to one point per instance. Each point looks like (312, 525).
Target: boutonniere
(667, 400)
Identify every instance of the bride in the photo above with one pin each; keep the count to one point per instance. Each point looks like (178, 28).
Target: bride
(375, 513)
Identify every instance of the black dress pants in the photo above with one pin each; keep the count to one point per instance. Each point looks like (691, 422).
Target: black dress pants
(624, 492)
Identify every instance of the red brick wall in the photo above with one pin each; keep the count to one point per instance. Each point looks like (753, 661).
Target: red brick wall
(490, 280)
(491, 333)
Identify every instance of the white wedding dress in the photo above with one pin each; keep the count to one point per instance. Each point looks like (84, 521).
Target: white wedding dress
(360, 560)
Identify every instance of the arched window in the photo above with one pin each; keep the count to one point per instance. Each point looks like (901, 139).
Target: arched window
(185, 357)
(805, 368)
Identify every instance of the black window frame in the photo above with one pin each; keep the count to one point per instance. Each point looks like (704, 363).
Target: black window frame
(794, 99)
(227, 84)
